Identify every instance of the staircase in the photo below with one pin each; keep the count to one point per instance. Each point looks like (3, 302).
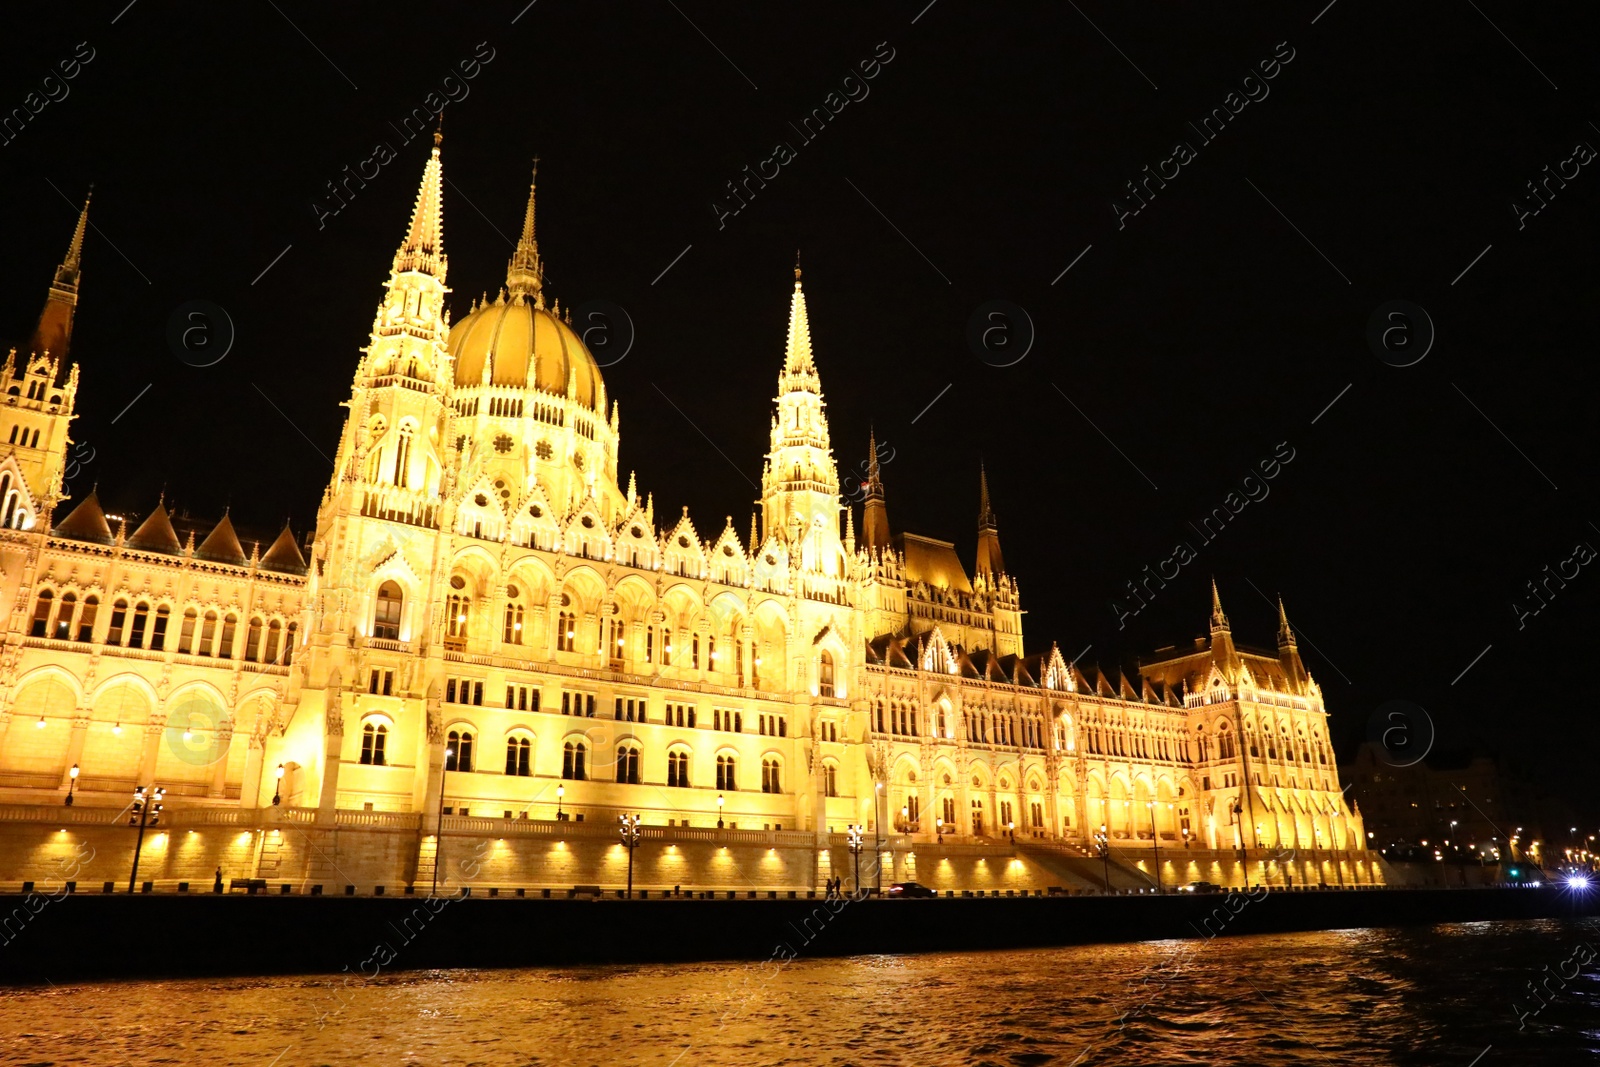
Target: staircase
(1081, 868)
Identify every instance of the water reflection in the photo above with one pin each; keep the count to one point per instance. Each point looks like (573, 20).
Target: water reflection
(1434, 996)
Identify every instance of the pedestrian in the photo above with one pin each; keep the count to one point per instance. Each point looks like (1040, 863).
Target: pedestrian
(217, 885)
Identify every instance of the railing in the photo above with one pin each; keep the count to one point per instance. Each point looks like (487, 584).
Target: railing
(390, 820)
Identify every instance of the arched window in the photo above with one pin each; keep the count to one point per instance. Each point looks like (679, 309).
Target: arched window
(141, 618)
(513, 627)
(119, 619)
(252, 641)
(158, 632)
(274, 640)
(91, 608)
(830, 779)
(64, 612)
(41, 613)
(825, 672)
(288, 642)
(208, 634)
(725, 773)
(458, 751)
(386, 617)
(230, 624)
(678, 768)
(566, 636)
(572, 768)
(456, 609)
(373, 738)
(628, 764)
(694, 653)
(519, 757)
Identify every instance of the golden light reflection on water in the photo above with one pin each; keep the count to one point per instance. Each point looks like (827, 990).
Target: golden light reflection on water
(1365, 996)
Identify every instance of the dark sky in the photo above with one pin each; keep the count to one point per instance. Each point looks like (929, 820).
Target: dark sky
(1182, 348)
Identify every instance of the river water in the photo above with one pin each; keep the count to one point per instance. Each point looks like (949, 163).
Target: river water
(1438, 996)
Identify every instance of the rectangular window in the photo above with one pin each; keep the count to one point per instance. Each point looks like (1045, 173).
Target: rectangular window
(590, 712)
(477, 694)
(388, 683)
(511, 695)
(450, 691)
(566, 703)
(372, 683)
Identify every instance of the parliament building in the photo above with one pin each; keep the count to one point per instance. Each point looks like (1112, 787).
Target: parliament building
(492, 646)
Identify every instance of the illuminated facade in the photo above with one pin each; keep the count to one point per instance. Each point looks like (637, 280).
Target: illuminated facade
(490, 631)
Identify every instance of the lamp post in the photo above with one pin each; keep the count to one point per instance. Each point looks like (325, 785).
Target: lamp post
(1011, 829)
(1103, 846)
(877, 836)
(905, 818)
(631, 836)
(438, 832)
(938, 825)
(277, 788)
(71, 785)
(146, 811)
(719, 811)
(561, 792)
(1155, 840)
(855, 850)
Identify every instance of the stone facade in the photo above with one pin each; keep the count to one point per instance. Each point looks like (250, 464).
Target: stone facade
(487, 632)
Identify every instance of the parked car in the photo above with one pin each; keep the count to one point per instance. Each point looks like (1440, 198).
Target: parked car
(909, 889)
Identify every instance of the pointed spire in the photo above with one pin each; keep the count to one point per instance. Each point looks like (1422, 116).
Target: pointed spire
(1219, 621)
(633, 489)
(754, 543)
(423, 247)
(1285, 635)
(797, 353)
(990, 561)
(54, 331)
(874, 511)
(525, 273)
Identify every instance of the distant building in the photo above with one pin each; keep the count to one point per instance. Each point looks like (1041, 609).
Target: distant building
(1458, 806)
(494, 631)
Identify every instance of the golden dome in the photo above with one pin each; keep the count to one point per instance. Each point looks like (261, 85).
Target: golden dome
(525, 346)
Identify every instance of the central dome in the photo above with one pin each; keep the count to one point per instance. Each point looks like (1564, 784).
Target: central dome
(523, 346)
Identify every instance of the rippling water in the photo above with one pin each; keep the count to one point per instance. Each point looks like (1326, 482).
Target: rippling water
(1422, 996)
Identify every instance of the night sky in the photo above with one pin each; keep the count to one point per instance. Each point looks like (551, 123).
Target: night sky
(1190, 341)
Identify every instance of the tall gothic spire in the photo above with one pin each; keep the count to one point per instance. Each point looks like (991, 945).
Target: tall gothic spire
(875, 511)
(797, 354)
(525, 273)
(1219, 621)
(1285, 635)
(990, 562)
(423, 248)
(54, 332)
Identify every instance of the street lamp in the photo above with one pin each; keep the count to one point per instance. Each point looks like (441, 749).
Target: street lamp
(631, 836)
(719, 811)
(277, 788)
(1155, 840)
(877, 836)
(71, 785)
(1011, 829)
(438, 832)
(561, 792)
(938, 825)
(855, 850)
(905, 818)
(1103, 846)
(146, 811)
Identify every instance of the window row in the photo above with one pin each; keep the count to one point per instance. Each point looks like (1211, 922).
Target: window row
(139, 626)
